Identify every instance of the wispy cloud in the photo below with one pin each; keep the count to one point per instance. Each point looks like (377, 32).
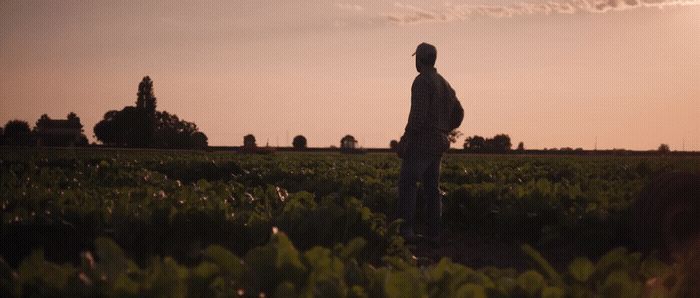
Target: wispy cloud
(410, 14)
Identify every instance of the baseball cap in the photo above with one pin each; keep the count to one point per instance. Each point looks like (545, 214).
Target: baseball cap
(425, 50)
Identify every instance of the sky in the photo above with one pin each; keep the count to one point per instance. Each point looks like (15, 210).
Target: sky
(560, 73)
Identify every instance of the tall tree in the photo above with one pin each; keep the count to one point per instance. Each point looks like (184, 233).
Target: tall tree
(145, 98)
(249, 142)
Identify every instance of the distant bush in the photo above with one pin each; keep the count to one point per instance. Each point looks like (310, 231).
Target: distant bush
(299, 142)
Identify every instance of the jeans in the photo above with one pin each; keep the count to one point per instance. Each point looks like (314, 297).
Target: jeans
(426, 168)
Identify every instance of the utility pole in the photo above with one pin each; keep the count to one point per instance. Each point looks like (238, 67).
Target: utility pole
(595, 146)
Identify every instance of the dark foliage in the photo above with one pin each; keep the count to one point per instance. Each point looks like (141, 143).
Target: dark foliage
(17, 133)
(348, 142)
(249, 141)
(145, 98)
(393, 144)
(666, 214)
(499, 144)
(142, 126)
(299, 142)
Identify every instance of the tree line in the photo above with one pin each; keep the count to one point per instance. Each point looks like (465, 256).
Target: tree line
(46, 132)
(143, 126)
(139, 126)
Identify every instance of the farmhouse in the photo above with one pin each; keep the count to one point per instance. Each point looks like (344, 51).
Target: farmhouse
(59, 132)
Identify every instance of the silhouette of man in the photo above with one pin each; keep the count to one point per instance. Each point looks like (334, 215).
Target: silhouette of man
(424, 141)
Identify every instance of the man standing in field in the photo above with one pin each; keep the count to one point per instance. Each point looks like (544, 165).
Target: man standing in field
(435, 112)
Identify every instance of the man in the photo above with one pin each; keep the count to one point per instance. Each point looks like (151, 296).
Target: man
(435, 111)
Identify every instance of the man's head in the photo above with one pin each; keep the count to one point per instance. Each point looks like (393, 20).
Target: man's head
(425, 56)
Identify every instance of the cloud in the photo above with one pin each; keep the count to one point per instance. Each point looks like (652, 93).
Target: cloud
(409, 14)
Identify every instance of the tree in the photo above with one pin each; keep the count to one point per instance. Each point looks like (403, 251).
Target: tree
(393, 145)
(249, 142)
(500, 143)
(143, 126)
(199, 140)
(128, 127)
(43, 120)
(521, 146)
(106, 130)
(475, 144)
(145, 99)
(299, 142)
(348, 142)
(664, 148)
(172, 132)
(17, 133)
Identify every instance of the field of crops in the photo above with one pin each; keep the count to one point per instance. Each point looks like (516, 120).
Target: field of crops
(173, 223)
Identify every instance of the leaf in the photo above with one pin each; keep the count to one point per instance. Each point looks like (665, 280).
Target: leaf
(619, 284)
(581, 269)
(506, 285)
(438, 271)
(402, 284)
(203, 184)
(285, 289)
(548, 269)
(531, 282)
(205, 270)
(229, 263)
(396, 262)
(353, 248)
(481, 279)
(357, 292)
(124, 286)
(552, 292)
(111, 259)
(471, 291)
(36, 274)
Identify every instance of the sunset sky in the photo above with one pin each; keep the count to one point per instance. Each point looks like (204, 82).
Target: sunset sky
(548, 73)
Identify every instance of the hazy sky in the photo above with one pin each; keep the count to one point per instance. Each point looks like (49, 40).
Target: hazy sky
(548, 73)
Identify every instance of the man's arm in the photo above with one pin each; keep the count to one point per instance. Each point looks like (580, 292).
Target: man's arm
(421, 94)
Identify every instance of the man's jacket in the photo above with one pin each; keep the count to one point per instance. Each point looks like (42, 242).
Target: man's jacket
(432, 102)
